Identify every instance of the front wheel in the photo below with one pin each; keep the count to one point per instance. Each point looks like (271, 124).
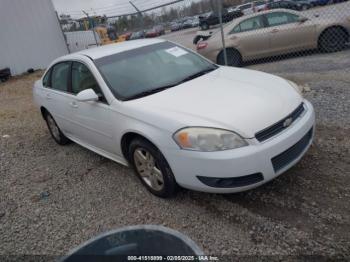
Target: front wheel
(152, 168)
(205, 26)
(332, 40)
(234, 58)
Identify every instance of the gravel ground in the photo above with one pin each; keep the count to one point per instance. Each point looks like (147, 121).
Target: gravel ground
(53, 198)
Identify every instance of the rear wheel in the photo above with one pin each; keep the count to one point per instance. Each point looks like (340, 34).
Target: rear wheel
(333, 39)
(205, 26)
(152, 168)
(4, 79)
(234, 58)
(55, 131)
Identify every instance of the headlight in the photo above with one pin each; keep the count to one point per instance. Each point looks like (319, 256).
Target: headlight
(207, 139)
(296, 87)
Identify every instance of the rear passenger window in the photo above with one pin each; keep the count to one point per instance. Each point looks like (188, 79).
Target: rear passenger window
(59, 76)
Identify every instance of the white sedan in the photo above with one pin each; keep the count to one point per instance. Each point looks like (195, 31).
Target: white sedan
(175, 117)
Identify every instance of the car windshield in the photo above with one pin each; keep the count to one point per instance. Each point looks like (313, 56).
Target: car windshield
(150, 69)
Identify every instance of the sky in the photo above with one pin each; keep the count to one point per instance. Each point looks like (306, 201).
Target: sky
(108, 7)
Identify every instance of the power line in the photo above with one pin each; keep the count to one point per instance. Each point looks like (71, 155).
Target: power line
(124, 9)
(114, 6)
(145, 4)
(162, 5)
(116, 9)
(140, 5)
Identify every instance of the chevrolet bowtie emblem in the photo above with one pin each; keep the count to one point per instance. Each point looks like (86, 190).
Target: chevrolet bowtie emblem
(288, 122)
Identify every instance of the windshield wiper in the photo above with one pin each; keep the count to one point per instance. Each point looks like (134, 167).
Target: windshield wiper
(150, 92)
(198, 74)
(162, 88)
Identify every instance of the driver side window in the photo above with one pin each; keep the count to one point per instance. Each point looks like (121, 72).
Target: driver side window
(250, 24)
(83, 79)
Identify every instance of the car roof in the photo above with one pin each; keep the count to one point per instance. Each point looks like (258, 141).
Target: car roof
(244, 4)
(242, 18)
(111, 49)
(238, 20)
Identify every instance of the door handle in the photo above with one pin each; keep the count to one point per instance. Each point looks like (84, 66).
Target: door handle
(274, 31)
(74, 104)
(48, 96)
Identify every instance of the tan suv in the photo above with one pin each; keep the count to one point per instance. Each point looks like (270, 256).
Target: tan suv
(276, 32)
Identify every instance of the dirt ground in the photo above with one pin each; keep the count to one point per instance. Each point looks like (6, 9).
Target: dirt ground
(53, 198)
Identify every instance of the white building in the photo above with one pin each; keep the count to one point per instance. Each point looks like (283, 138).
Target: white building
(30, 35)
(80, 40)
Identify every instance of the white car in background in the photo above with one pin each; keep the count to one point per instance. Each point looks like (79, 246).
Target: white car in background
(246, 9)
(175, 117)
(253, 7)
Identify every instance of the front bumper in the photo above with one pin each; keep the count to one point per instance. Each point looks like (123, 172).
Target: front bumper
(256, 158)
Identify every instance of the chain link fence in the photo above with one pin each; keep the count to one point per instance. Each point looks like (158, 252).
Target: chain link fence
(231, 32)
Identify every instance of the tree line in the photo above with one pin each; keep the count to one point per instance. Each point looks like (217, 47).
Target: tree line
(169, 14)
(165, 15)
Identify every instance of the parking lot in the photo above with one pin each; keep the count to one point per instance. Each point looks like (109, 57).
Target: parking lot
(185, 37)
(54, 198)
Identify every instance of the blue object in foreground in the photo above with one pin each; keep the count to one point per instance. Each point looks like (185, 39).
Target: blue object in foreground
(132, 242)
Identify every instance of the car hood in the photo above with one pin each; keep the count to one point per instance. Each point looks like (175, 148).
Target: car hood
(240, 100)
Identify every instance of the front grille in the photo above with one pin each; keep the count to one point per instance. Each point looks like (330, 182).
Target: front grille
(279, 126)
(292, 153)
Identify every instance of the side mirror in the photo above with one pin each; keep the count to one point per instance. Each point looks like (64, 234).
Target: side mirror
(302, 19)
(87, 95)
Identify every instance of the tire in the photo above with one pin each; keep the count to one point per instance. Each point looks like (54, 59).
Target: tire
(204, 26)
(234, 58)
(55, 131)
(152, 168)
(4, 79)
(333, 40)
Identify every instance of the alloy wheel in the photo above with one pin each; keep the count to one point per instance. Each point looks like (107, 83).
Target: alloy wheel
(148, 169)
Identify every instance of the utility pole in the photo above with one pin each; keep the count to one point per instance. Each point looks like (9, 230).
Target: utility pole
(140, 16)
(93, 26)
(63, 34)
(222, 31)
